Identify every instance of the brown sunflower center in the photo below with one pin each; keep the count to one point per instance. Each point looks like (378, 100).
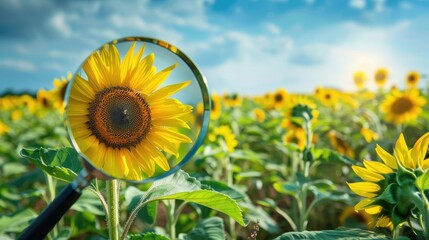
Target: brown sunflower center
(412, 78)
(119, 117)
(380, 77)
(278, 98)
(402, 105)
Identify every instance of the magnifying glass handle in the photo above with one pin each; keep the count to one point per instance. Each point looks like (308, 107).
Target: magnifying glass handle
(53, 213)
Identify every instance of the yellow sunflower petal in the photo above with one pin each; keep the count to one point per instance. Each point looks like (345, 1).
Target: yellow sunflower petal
(419, 150)
(167, 91)
(364, 189)
(155, 81)
(402, 153)
(373, 210)
(388, 159)
(170, 135)
(367, 175)
(363, 204)
(377, 167)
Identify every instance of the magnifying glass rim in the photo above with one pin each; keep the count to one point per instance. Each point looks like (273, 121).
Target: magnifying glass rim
(202, 82)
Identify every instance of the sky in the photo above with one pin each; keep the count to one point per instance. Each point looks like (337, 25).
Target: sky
(248, 47)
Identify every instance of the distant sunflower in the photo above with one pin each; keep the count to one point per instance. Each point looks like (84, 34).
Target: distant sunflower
(413, 79)
(216, 107)
(339, 144)
(368, 134)
(359, 79)
(380, 76)
(402, 107)
(59, 91)
(259, 114)
(228, 138)
(383, 185)
(232, 100)
(280, 98)
(120, 118)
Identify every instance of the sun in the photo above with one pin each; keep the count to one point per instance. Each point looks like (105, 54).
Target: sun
(120, 117)
(401, 107)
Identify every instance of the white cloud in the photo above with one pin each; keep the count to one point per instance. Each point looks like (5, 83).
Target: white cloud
(358, 4)
(379, 5)
(19, 65)
(58, 22)
(272, 28)
(405, 5)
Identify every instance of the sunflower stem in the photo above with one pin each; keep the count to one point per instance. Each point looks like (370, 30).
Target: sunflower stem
(171, 210)
(113, 203)
(52, 193)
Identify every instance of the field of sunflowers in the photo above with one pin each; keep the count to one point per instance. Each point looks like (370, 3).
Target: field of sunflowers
(324, 165)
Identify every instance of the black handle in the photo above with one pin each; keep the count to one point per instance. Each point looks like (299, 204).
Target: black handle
(51, 215)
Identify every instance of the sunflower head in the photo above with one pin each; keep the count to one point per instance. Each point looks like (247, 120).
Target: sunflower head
(401, 107)
(388, 186)
(124, 116)
(360, 79)
(380, 76)
(413, 79)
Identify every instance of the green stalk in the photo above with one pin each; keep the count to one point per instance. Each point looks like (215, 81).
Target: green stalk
(113, 204)
(230, 182)
(171, 226)
(52, 193)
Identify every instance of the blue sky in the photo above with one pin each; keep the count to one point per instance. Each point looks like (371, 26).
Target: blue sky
(244, 46)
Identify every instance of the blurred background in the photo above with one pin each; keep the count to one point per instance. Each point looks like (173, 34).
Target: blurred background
(243, 46)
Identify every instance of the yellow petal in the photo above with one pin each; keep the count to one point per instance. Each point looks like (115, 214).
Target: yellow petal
(155, 81)
(171, 135)
(387, 158)
(363, 204)
(402, 153)
(364, 189)
(419, 150)
(167, 91)
(373, 209)
(377, 167)
(367, 175)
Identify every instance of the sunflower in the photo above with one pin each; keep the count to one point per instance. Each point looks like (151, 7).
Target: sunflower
(340, 144)
(413, 79)
(280, 98)
(384, 183)
(259, 114)
(216, 107)
(359, 78)
(368, 134)
(351, 218)
(119, 116)
(59, 91)
(403, 107)
(4, 128)
(227, 138)
(232, 100)
(380, 77)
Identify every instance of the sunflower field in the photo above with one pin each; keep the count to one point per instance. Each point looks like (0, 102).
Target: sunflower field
(329, 164)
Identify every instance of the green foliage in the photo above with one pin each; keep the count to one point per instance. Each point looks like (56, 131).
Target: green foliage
(340, 234)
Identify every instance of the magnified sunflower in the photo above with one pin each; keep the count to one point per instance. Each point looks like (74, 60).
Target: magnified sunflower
(403, 107)
(120, 117)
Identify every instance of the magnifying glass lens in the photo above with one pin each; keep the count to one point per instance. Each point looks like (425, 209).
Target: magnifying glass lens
(137, 109)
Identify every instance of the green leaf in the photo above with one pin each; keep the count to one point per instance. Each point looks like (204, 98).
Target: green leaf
(256, 213)
(16, 222)
(183, 187)
(224, 188)
(89, 202)
(146, 236)
(64, 234)
(148, 213)
(62, 163)
(211, 229)
(340, 233)
(329, 155)
(287, 188)
(422, 182)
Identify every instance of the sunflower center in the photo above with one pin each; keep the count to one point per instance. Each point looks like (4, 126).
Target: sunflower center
(278, 98)
(380, 76)
(119, 117)
(402, 105)
(411, 78)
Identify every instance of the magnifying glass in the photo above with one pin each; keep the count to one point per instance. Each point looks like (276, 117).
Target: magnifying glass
(137, 109)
